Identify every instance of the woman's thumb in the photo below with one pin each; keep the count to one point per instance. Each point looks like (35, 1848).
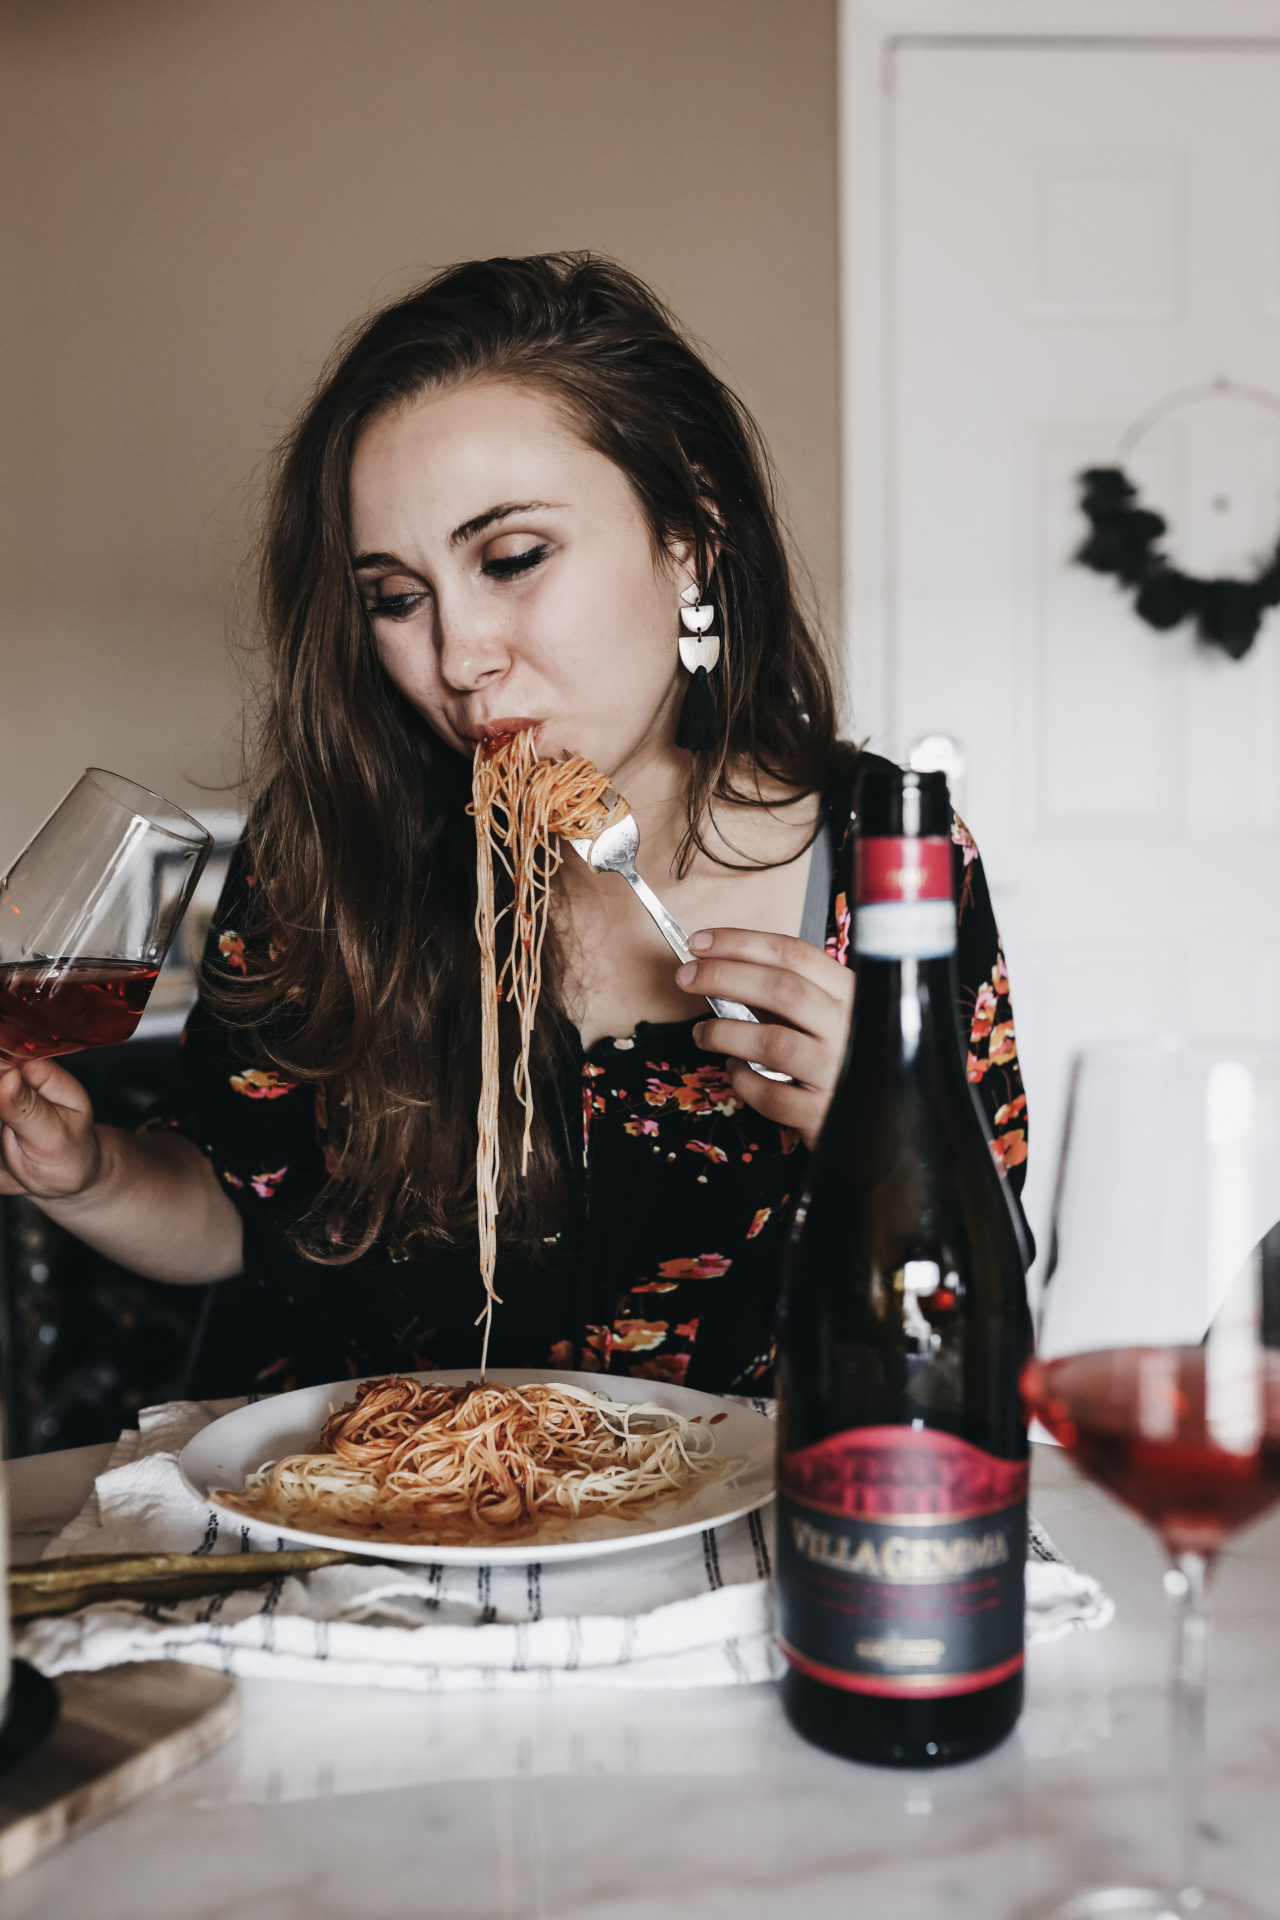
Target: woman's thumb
(31, 1094)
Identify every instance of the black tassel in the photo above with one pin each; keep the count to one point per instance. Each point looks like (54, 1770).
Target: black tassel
(697, 726)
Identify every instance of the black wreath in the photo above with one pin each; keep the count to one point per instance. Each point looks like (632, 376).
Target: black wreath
(1123, 540)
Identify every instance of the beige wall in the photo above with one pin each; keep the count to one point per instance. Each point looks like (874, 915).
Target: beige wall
(207, 191)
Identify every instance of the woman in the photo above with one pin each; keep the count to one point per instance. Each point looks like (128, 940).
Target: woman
(490, 517)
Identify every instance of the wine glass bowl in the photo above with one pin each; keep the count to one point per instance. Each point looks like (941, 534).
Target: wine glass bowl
(1158, 1354)
(1140, 1422)
(87, 914)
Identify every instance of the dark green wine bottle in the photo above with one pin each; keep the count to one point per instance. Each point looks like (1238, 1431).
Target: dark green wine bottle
(903, 1326)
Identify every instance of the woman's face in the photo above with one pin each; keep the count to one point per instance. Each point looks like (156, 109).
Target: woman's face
(511, 578)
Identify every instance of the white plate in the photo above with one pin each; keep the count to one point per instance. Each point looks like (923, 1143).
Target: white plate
(229, 1449)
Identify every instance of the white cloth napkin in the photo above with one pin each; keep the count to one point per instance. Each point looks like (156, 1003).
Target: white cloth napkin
(693, 1612)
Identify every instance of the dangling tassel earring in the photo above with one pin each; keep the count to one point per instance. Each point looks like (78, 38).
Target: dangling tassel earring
(699, 650)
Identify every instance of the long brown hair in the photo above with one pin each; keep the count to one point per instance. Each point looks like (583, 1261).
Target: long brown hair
(359, 841)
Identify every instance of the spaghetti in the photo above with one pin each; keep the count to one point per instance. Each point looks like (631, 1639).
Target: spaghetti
(521, 805)
(416, 1464)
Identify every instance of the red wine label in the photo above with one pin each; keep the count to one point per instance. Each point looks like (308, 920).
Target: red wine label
(903, 869)
(905, 909)
(901, 1556)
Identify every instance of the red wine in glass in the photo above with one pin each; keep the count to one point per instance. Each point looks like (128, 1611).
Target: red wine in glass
(1140, 1421)
(51, 1008)
(87, 914)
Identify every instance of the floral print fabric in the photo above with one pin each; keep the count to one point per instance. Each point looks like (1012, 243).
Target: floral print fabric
(666, 1264)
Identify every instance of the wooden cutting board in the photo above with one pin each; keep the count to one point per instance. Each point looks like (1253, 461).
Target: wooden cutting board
(120, 1732)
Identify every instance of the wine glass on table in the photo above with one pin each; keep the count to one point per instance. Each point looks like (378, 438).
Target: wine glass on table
(1158, 1357)
(87, 913)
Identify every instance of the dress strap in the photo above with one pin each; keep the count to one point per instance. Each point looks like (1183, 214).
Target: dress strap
(817, 893)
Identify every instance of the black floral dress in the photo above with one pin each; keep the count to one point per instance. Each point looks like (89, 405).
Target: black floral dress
(679, 1196)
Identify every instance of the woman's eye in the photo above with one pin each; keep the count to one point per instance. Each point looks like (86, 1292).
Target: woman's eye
(395, 606)
(504, 566)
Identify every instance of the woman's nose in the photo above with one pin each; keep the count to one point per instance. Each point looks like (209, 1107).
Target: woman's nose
(472, 654)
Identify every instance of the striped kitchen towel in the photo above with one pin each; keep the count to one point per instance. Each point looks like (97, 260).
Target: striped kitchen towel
(690, 1612)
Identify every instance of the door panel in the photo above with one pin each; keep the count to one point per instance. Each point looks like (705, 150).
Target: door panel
(1076, 234)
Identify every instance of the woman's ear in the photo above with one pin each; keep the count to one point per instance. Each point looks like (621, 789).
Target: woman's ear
(693, 561)
(682, 564)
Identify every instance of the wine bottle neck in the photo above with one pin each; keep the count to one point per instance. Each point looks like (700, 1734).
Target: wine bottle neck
(904, 936)
(906, 1010)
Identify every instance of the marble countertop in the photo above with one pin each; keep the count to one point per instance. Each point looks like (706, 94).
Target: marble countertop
(338, 1802)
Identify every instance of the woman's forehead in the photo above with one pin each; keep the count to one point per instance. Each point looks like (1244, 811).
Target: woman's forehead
(449, 455)
(479, 420)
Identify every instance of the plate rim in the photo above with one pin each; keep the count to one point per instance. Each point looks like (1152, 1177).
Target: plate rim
(516, 1554)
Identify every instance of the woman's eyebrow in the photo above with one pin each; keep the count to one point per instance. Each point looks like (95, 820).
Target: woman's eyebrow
(482, 521)
(479, 523)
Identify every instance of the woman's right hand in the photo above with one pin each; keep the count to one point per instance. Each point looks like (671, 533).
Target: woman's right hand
(149, 1201)
(49, 1145)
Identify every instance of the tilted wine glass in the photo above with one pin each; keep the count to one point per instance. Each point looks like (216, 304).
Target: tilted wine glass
(1158, 1357)
(87, 913)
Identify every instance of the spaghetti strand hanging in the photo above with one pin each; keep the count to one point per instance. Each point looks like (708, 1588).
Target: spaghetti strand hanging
(522, 806)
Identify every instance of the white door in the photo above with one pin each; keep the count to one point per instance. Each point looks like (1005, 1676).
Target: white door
(1075, 234)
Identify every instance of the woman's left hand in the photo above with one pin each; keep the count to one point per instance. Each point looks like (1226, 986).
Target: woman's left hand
(810, 997)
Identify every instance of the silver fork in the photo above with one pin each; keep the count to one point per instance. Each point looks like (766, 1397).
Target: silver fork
(614, 851)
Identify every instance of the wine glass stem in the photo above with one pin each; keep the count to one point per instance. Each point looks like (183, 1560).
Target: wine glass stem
(1188, 1722)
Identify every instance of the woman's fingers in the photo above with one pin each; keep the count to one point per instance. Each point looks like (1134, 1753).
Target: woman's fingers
(810, 997)
(33, 1094)
(803, 1057)
(788, 971)
(789, 1103)
(800, 1103)
(48, 1144)
(799, 1108)
(766, 990)
(807, 991)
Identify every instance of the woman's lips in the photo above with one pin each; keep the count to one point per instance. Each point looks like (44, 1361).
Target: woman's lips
(500, 728)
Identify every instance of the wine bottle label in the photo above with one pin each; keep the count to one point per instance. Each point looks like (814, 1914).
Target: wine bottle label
(905, 909)
(901, 1556)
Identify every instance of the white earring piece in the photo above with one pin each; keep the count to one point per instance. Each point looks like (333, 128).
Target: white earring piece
(698, 727)
(698, 646)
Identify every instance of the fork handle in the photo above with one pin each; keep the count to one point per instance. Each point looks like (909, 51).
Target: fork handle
(666, 923)
(678, 941)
